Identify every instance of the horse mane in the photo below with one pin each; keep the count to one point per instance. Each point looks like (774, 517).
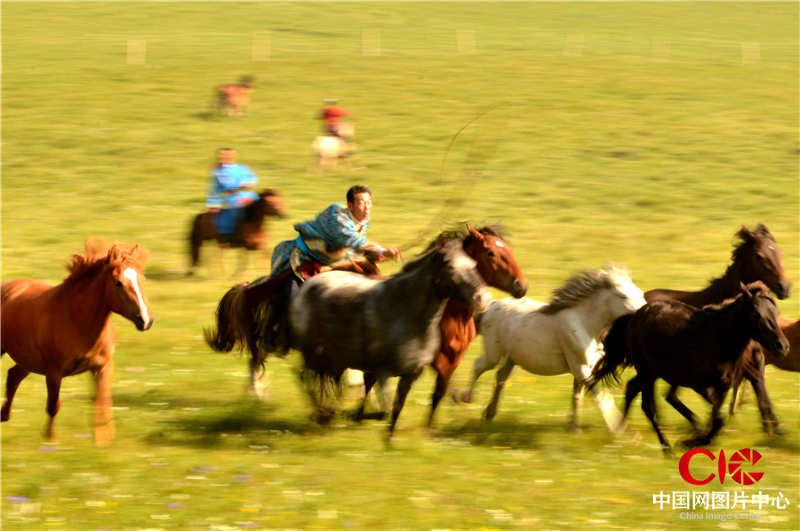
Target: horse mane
(462, 234)
(748, 239)
(436, 244)
(581, 286)
(99, 255)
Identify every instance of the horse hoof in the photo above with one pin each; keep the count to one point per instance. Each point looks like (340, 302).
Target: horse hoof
(574, 428)
(620, 428)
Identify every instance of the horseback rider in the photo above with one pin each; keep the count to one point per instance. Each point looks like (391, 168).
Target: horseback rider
(337, 233)
(230, 191)
(331, 116)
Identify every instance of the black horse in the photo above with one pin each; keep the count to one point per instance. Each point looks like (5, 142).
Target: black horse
(249, 233)
(689, 347)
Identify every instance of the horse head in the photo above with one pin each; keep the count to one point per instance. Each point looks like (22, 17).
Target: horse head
(759, 258)
(626, 296)
(124, 285)
(764, 314)
(495, 261)
(459, 277)
(272, 203)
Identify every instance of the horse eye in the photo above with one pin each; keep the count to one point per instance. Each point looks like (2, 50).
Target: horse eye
(490, 254)
(118, 283)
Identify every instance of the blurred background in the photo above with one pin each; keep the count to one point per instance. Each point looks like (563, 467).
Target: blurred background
(644, 134)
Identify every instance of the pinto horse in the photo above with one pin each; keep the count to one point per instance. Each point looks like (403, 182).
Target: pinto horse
(498, 268)
(249, 233)
(757, 257)
(239, 313)
(62, 330)
(689, 347)
(390, 327)
(233, 99)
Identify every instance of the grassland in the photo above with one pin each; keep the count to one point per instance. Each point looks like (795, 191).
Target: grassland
(640, 133)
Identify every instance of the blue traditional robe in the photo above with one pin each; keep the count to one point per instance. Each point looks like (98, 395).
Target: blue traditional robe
(225, 193)
(333, 235)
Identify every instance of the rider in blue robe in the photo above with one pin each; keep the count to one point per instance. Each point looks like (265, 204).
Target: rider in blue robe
(338, 233)
(230, 191)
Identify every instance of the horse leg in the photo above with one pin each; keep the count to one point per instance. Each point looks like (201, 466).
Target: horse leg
(442, 379)
(632, 390)
(403, 387)
(257, 375)
(53, 402)
(577, 402)
(103, 416)
(756, 377)
(501, 377)
(15, 376)
(369, 380)
(614, 420)
(680, 407)
(649, 408)
(715, 397)
(481, 365)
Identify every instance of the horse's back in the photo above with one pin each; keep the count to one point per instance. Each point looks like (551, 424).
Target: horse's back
(327, 147)
(323, 299)
(516, 327)
(790, 362)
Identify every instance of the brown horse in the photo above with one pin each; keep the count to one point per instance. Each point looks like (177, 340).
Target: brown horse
(249, 234)
(757, 257)
(62, 330)
(753, 366)
(234, 99)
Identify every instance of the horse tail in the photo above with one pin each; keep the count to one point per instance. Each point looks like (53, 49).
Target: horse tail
(616, 353)
(228, 330)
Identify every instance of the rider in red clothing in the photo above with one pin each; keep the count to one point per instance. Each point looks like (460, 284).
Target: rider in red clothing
(332, 115)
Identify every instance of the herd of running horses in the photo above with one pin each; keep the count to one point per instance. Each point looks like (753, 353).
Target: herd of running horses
(351, 317)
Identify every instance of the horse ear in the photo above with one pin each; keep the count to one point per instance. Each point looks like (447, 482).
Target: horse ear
(745, 234)
(474, 233)
(763, 230)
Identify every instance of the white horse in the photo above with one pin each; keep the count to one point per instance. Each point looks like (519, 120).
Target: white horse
(329, 148)
(559, 337)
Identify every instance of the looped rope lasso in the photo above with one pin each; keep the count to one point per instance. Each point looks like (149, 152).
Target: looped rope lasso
(449, 204)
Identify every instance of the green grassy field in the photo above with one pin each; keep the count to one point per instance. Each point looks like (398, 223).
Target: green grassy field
(640, 133)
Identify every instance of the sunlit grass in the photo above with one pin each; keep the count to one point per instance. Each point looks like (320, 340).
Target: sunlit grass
(640, 133)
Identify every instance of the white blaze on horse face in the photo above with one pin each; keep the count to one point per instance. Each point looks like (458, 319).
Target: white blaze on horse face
(131, 274)
(634, 296)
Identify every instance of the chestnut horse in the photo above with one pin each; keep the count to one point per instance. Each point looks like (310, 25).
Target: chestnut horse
(62, 330)
(757, 257)
(234, 99)
(249, 233)
(753, 367)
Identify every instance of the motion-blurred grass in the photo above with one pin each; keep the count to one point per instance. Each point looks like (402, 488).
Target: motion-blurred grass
(640, 133)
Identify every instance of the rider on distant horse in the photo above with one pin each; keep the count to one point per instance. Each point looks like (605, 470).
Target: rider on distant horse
(230, 191)
(337, 233)
(331, 115)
